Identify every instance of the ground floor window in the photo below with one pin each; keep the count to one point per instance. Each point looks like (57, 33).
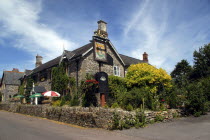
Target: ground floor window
(116, 70)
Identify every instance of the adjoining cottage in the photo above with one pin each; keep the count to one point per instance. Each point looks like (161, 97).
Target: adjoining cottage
(10, 83)
(98, 55)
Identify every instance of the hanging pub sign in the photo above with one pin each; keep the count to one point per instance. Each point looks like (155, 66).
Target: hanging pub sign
(100, 53)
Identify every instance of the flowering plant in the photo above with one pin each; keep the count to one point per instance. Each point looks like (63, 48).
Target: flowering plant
(149, 77)
(92, 81)
(89, 90)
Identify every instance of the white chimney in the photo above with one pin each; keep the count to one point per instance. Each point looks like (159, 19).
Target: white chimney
(38, 60)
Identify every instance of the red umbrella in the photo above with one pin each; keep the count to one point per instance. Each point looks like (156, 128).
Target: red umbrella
(51, 94)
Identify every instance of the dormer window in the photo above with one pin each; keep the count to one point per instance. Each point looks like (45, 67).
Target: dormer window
(116, 71)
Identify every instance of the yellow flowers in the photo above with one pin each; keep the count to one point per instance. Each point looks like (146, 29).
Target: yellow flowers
(145, 75)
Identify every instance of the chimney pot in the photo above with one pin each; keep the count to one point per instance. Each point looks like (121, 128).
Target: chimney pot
(15, 70)
(38, 60)
(102, 25)
(102, 29)
(145, 57)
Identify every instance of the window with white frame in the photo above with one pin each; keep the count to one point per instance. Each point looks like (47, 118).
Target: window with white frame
(116, 71)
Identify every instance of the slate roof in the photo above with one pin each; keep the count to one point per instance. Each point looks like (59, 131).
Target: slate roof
(12, 78)
(39, 89)
(130, 60)
(48, 64)
(77, 53)
(28, 72)
(69, 54)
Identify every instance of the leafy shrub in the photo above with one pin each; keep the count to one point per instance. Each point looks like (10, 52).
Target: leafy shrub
(134, 97)
(117, 90)
(152, 121)
(197, 114)
(89, 99)
(0, 96)
(149, 77)
(175, 115)
(56, 103)
(128, 121)
(159, 118)
(115, 105)
(116, 121)
(75, 101)
(89, 87)
(106, 106)
(59, 78)
(129, 107)
(196, 100)
(206, 87)
(176, 97)
(63, 101)
(140, 119)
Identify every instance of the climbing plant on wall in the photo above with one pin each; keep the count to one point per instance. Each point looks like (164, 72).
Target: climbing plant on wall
(0, 96)
(29, 85)
(59, 78)
(21, 89)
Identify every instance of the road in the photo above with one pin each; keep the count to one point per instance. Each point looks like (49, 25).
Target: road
(15, 126)
(20, 127)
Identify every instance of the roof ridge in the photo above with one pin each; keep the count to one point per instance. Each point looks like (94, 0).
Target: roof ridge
(14, 71)
(48, 62)
(130, 56)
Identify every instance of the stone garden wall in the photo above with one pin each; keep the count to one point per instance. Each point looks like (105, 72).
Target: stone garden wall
(96, 117)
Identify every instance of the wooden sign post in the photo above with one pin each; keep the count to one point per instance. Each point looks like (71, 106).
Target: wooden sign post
(100, 55)
(103, 87)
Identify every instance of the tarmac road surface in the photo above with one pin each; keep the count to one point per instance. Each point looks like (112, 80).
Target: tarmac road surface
(15, 126)
(188, 128)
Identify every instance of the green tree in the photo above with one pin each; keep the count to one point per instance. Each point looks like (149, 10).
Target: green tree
(29, 85)
(21, 90)
(0, 96)
(146, 79)
(201, 62)
(59, 79)
(196, 100)
(181, 73)
(117, 89)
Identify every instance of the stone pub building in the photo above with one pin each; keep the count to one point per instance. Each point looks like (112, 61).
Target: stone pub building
(98, 55)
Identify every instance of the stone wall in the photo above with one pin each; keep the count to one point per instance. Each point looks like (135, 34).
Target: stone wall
(116, 62)
(46, 84)
(72, 69)
(87, 117)
(11, 91)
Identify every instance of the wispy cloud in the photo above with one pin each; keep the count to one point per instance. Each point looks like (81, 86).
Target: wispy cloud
(154, 29)
(21, 20)
(167, 30)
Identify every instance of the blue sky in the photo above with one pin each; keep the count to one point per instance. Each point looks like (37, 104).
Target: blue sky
(168, 30)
